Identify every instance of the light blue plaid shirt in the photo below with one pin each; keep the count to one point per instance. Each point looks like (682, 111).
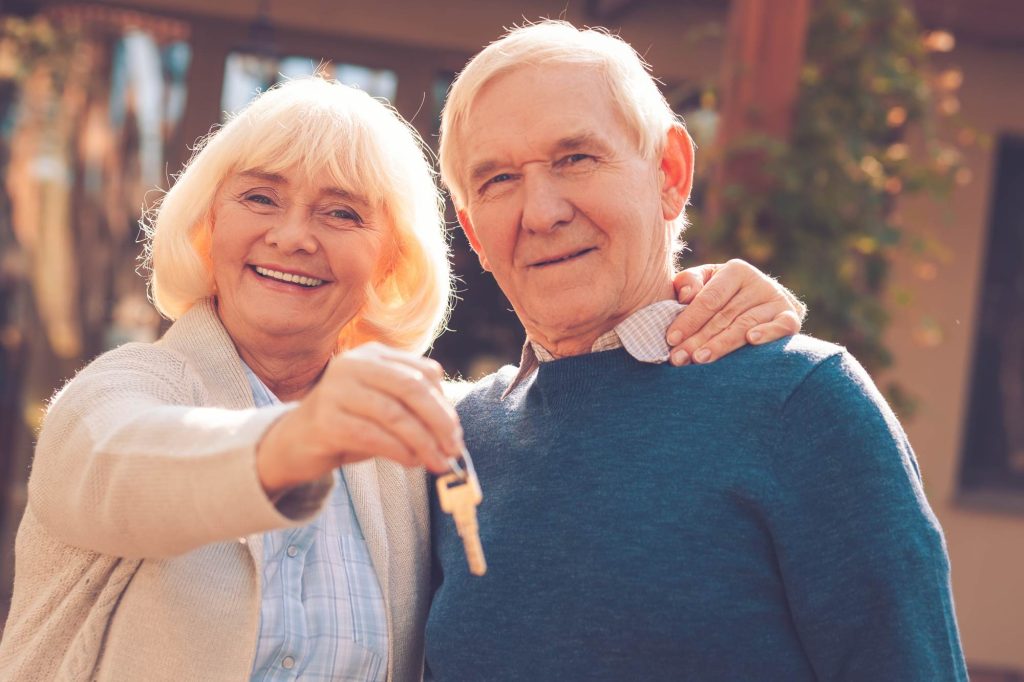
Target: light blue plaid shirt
(322, 614)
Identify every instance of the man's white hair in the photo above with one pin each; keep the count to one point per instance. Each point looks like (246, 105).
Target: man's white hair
(630, 85)
(330, 133)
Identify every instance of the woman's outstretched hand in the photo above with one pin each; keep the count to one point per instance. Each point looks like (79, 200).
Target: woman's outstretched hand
(372, 401)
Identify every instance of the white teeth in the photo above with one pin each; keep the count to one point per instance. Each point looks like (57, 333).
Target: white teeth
(288, 277)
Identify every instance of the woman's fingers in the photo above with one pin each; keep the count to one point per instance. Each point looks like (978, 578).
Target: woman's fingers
(400, 421)
(368, 439)
(708, 345)
(708, 302)
(690, 281)
(786, 323)
(430, 368)
(399, 392)
(420, 395)
(372, 401)
(738, 299)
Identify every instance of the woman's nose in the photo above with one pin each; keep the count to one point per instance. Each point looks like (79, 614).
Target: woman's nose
(292, 232)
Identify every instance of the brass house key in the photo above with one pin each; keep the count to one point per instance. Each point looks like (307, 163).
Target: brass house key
(459, 495)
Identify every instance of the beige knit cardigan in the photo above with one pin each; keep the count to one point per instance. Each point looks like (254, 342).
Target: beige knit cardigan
(140, 553)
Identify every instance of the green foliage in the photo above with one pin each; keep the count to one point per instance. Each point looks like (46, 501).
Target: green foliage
(823, 219)
(29, 44)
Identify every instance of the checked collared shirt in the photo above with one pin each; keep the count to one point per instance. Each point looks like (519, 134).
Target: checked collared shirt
(642, 334)
(322, 613)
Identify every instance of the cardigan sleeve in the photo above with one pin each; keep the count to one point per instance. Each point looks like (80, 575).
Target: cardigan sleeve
(861, 554)
(130, 463)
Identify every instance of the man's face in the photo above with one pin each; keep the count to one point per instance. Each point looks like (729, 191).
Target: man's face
(561, 207)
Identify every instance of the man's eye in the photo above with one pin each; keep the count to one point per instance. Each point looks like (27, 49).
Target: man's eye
(497, 179)
(574, 159)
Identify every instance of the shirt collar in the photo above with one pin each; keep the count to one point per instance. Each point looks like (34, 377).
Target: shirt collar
(642, 335)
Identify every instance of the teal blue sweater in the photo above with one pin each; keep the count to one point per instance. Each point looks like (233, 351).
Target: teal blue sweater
(759, 518)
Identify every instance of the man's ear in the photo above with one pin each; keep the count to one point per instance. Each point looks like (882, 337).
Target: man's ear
(676, 172)
(467, 227)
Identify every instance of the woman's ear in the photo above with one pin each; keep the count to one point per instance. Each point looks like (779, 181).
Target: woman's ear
(467, 227)
(676, 172)
(202, 240)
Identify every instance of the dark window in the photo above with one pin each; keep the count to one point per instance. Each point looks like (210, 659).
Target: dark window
(993, 453)
(439, 93)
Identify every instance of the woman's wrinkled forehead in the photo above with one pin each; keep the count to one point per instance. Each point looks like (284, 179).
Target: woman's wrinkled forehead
(341, 153)
(286, 178)
(312, 172)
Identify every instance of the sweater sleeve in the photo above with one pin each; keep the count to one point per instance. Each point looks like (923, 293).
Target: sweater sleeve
(130, 464)
(861, 554)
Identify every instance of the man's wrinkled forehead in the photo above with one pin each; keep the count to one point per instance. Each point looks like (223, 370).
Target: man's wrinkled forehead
(479, 153)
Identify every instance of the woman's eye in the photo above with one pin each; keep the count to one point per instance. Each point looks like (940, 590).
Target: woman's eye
(344, 214)
(259, 199)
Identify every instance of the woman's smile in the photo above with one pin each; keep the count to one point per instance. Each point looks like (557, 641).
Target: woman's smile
(293, 279)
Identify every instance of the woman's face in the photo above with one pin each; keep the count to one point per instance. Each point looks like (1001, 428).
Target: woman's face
(292, 257)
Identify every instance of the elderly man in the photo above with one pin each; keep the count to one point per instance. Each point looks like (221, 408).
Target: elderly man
(778, 531)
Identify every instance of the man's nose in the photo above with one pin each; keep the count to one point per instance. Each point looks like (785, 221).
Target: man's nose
(545, 206)
(292, 232)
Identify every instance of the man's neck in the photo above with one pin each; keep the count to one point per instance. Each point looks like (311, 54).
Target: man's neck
(568, 348)
(562, 343)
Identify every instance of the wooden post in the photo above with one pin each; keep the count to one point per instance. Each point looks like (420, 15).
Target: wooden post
(760, 79)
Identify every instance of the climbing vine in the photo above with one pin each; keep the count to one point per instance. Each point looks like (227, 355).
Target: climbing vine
(823, 217)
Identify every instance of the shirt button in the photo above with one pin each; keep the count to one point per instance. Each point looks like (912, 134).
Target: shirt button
(292, 551)
(288, 663)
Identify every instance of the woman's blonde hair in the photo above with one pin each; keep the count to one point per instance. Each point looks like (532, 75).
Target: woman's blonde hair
(626, 74)
(329, 132)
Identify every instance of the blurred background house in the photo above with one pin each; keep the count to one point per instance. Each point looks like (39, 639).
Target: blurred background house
(869, 153)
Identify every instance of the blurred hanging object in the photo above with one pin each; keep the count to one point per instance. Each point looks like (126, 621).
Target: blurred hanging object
(254, 67)
(98, 104)
(137, 88)
(702, 123)
(764, 52)
(40, 182)
(262, 39)
(262, 32)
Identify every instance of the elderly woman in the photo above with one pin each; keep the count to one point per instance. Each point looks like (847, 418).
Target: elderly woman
(245, 498)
